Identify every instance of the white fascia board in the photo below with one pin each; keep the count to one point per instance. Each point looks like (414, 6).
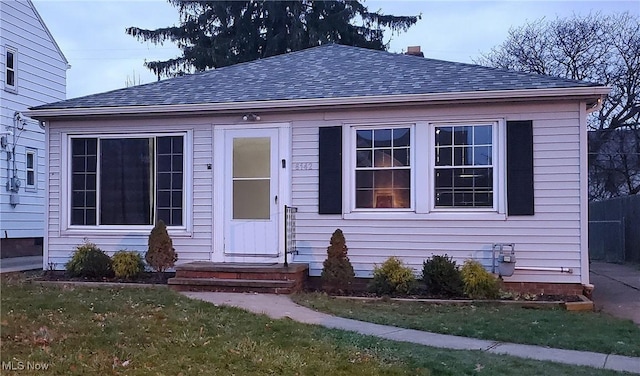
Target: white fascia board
(594, 92)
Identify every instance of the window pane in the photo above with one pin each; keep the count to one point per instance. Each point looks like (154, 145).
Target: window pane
(401, 137)
(10, 60)
(444, 136)
(385, 183)
(252, 157)
(382, 158)
(364, 179)
(443, 156)
(126, 188)
(466, 182)
(482, 135)
(462, 136)
(11, 78)
(381, 138)
(83, 181)
(401, 157)
(482, 155)
(363, 158)
(363, 139)
(170, 177)
(30, 160)
(251, 199)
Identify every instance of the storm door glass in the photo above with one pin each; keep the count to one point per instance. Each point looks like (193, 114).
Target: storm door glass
(251, 178)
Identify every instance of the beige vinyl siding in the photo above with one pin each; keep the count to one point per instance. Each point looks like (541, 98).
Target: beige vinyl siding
(550, 238)
(41, 78)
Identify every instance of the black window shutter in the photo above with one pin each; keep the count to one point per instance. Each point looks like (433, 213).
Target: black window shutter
(330, 170)
(520, 199)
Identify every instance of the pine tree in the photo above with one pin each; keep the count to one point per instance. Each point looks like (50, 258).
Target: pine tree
(214, 34)
(161, 254)
(337, 272)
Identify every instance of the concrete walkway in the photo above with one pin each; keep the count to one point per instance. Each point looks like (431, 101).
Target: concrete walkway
(281, 306)
(617, 289)
(20, 264)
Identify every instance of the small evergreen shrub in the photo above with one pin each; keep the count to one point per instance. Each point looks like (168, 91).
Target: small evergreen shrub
(89, 261)
(478, 282)
(337, 272)
(127, 265)
(161, 254)
(442, 276)
(392, 277)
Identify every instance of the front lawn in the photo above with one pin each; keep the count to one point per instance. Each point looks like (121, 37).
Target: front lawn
(588, 331)
(134, 331)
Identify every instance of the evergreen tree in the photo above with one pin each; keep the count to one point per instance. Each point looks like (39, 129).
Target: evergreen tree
(214, 34)
(161, 254)
(337, 271)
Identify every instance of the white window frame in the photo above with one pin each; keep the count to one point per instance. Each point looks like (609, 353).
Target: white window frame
(187, 196)
(11, 88)
(423, 173)
(34, 169)
(350, 193)
(498, 166)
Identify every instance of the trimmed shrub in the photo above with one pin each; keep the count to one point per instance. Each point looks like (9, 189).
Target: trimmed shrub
(478, 282)
(89, 261)
(127, 264)
(392, 277)
(442, 277)
(161, 254)
(337, 272)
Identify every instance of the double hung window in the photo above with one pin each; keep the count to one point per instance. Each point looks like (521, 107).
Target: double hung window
(11, 67)
(127, 181)
(30, 170)
(383, 168)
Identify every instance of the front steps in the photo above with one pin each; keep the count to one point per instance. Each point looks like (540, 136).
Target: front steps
(239, 277)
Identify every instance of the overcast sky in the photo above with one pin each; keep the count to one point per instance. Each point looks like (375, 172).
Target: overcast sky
(103, 57)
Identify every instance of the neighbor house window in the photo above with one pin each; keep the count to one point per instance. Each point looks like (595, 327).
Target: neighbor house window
(383, 168)
(31, 172)
(464, 166)
(127, 181)
(11, 67)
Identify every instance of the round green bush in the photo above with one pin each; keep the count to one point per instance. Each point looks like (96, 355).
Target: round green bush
(392, 277)
(89, 261)
(442, 277)
(478, 282)
(127, 264)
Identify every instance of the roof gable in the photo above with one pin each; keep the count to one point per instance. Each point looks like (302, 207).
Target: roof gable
(46, 29)
(329, 71)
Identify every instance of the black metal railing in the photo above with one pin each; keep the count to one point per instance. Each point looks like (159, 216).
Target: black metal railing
(289, 232)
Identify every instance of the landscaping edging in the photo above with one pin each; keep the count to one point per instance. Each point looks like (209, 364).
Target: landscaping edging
(584, 305)
(98, 284)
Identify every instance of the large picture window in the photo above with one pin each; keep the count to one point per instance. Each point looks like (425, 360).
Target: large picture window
(127, 181)
(383, 168)
(464, 171)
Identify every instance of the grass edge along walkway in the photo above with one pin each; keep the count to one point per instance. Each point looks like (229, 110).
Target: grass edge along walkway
(280, 306)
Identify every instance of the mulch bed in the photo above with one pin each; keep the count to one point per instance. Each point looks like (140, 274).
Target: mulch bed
(144, 278)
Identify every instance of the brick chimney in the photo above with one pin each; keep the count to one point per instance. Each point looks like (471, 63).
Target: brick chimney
(414, 50)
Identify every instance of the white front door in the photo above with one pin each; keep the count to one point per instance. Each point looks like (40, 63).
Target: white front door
(251, 190)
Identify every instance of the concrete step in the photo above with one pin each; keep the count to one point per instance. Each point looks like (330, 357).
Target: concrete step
(235, 285)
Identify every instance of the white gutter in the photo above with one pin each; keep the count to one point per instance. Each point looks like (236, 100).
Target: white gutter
(434, 98)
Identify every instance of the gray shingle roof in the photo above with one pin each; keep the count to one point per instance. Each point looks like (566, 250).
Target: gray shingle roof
(330, 71)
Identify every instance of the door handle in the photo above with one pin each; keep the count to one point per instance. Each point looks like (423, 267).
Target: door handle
(276, 199)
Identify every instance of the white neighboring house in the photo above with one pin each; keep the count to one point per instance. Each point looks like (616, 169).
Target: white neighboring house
(33, 73)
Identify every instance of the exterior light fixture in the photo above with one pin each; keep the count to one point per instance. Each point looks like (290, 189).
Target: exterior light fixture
(251, 117)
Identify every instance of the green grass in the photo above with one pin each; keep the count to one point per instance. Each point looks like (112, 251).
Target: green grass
(588, 331)
(132, 331)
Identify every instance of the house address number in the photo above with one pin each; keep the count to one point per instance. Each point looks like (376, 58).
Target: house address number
(302, 166)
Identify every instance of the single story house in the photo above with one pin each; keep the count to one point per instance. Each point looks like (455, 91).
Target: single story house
(409, 156)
